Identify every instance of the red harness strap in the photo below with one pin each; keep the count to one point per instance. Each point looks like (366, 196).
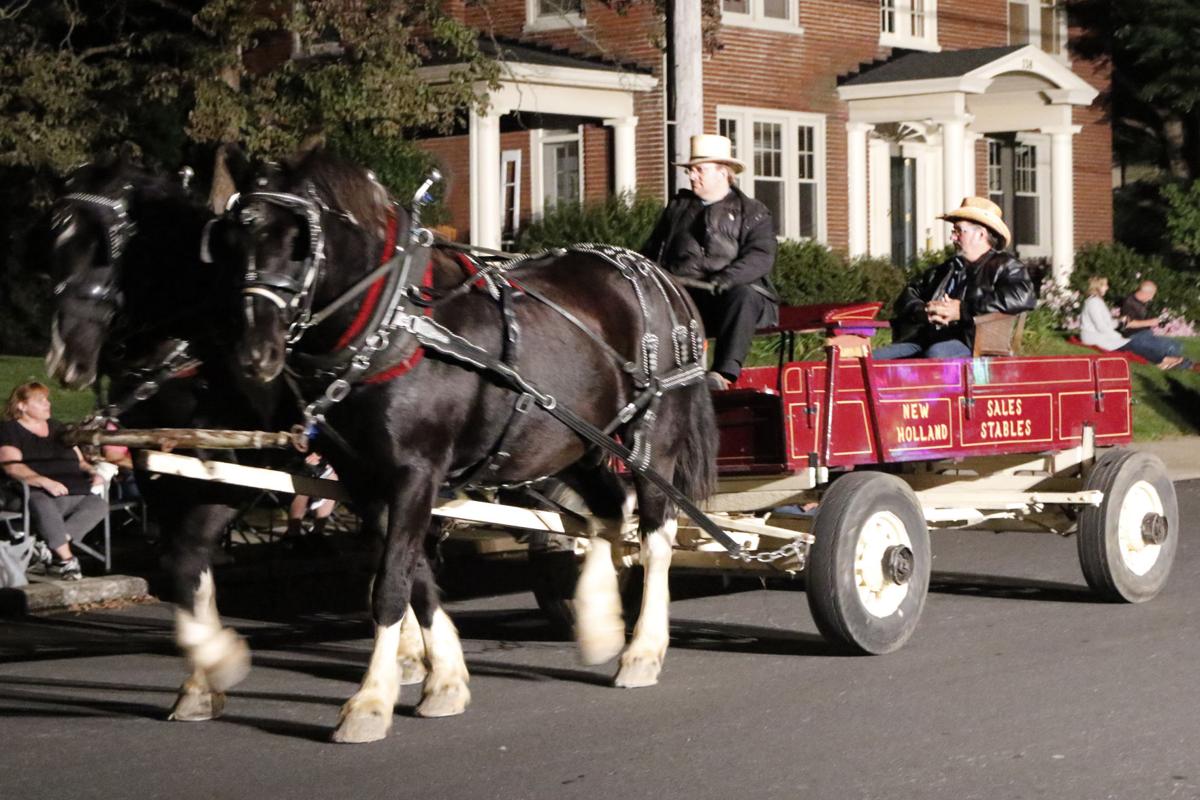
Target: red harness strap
(368, 305)
(414, 359)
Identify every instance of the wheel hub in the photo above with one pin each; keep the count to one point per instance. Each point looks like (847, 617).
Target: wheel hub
(898, 564)
(1154, 528)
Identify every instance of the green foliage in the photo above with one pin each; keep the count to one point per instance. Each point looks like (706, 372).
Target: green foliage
(1125, 269)
(808, 272)
(1183, 217)
(400, 165)
(623, 220)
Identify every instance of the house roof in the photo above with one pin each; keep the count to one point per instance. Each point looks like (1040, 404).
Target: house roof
(518, 52)
(919, 66)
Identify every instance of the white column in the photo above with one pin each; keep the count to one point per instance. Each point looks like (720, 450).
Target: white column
(688, 52)
(485, 178)
(970, 179)
(953, 144)
(1062, 201)
(879, 204)
(624, 153)
(856, 188)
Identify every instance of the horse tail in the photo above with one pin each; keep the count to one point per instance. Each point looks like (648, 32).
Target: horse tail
(696, 465)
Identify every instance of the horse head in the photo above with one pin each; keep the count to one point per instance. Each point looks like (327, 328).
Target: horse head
(308, 230)
(126, 259)
(91, 227)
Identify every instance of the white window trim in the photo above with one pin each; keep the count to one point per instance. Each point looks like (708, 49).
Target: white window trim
(756, 18)
(536, 22)
(928, 42)
(746, 117)
(538, 139)
(513, 156)
(1033, 21)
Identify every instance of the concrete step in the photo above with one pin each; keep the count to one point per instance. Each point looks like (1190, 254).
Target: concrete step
(47, 594)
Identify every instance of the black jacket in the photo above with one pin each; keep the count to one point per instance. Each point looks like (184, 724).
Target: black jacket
(996, 282)
(729, 243)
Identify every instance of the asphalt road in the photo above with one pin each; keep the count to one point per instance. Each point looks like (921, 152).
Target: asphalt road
(1017, 685)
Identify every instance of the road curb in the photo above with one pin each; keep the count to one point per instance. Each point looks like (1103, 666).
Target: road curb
(43, 594)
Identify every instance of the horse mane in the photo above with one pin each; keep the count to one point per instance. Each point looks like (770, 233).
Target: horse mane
(347, 187)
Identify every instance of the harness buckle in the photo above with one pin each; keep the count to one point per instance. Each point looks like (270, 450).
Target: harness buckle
(338, 390)
(524, 403)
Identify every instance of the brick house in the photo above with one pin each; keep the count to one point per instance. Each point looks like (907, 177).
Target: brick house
(859, 120)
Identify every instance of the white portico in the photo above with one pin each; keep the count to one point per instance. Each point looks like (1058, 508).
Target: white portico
(914, 125)
(534, 85)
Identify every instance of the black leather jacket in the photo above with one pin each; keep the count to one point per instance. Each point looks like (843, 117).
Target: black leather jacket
(730, 242)
(996, 282)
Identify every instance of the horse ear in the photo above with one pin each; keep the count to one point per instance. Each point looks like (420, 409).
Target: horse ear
(128, 154)
(231, 173)
(311, 143)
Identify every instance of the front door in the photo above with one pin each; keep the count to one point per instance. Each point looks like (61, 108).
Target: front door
(904, 209)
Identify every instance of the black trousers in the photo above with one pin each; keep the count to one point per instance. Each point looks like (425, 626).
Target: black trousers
(731, 318)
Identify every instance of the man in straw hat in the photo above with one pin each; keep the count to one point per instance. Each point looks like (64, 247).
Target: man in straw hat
(935, 313)
(722, 243)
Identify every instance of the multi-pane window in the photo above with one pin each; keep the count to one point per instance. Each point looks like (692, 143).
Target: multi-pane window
(806, 177)
(1038, 22)
(784, 154)
(908, 23)
(1025, 194)
(995, 172)
(766, 13)
(562, 173)
(768, 168)
(510, 194)
(544, 15)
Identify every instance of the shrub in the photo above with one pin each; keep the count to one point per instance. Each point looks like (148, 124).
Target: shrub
(400, 165)
(624, 220)
(881, 279)
(1125, 269)
(809, 272)
(1183, 217)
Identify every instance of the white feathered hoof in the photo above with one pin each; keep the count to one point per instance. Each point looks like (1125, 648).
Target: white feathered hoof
(196, 704)
(600, 643)
(638, 671)
(363, 721)
(412, 671)
(233, 665)
(444, 701)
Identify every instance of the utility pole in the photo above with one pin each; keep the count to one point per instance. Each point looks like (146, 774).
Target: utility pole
(685, 81)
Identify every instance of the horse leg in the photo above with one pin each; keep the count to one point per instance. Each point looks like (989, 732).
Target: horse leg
(219, 658)
(367, 715)
(445, 693)
(599, 624)
(411, 653)
(643, 659)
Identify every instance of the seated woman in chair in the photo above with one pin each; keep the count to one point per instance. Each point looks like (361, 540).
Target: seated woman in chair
(62, 506)
(1098, 328)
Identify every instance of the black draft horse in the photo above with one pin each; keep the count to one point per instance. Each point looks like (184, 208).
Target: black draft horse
(590, 329)
(134, 289)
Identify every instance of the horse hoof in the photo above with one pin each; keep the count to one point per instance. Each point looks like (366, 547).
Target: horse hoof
(232, 668)
(197, 706)
(447, 701)
(637, 672)
(362, 722)
(411, 671)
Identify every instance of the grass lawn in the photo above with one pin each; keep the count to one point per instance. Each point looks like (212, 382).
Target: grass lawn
(1166, 404)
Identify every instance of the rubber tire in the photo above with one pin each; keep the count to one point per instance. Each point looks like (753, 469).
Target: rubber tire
(832, 591)
(553, 575)
(1099, 548)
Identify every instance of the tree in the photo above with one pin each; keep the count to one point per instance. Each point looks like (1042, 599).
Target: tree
(180, 78)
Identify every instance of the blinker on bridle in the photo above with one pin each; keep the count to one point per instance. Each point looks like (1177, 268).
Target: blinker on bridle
(98, 285)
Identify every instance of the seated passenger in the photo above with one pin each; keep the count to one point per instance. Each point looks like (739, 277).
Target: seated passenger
(934, 315)
(1098, 328)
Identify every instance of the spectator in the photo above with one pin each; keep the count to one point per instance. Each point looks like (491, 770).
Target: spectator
(62, 505)
(935, 313)
(1098, 328)
(715, 235)
(302, 505)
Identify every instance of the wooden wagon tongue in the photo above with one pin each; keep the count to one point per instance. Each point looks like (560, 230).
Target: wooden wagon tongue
(171, 438)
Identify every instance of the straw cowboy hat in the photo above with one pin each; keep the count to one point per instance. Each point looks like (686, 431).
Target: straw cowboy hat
(710, 147)
(983, 212)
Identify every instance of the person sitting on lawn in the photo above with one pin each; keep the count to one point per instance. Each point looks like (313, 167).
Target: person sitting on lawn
(1098, 328)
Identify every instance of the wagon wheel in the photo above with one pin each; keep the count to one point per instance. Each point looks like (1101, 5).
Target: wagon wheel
(868, 568)
(554, 571)
(1127, 544)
